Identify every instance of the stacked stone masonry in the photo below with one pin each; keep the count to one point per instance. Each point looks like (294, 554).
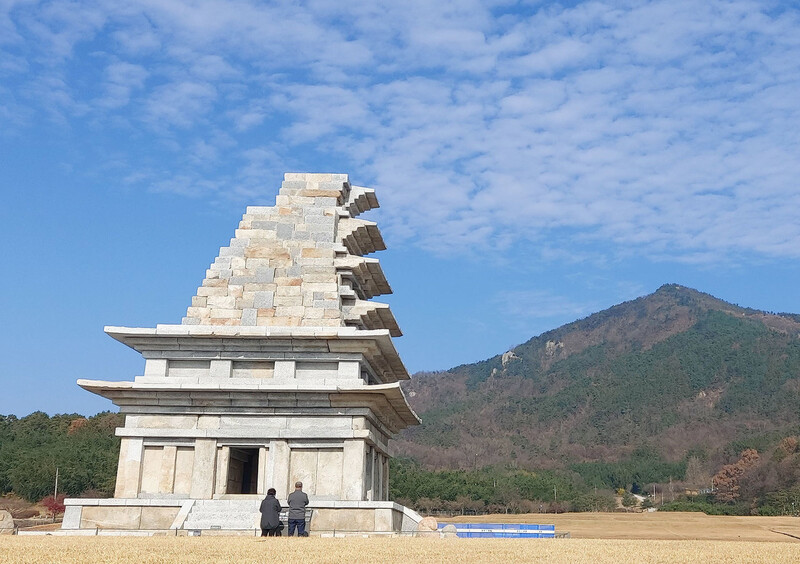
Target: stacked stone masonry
(282, 370)
(300, 262)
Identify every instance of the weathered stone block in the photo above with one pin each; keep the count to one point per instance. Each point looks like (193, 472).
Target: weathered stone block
(265, 274)
(224, 302)
(249, 316)
(263, 299)
(110, 517)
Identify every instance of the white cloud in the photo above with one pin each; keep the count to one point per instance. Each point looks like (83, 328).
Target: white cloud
(535, 304)
(670, 127)
(122, 79)
(180, 104)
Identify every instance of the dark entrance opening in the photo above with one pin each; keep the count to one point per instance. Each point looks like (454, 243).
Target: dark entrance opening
(243, 471)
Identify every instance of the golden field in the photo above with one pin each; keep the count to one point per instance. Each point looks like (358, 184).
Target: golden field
(403, 549)
(658, 526)
(596, 538)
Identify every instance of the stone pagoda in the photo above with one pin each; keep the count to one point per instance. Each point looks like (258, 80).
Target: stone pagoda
(282, 370)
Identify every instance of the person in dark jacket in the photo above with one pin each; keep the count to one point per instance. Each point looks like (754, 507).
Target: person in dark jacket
(297, 510)
(270, 515)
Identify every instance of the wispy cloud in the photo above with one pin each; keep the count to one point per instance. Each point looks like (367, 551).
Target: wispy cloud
(669, 127)
(540, 305)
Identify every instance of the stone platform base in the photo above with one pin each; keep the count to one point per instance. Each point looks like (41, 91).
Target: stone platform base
(230, 516)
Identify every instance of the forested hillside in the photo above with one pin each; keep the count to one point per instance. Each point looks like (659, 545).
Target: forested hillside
(677, 394)
(84, 450)
(680, 375)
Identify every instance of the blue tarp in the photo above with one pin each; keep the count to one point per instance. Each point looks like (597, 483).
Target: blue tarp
(503, 530)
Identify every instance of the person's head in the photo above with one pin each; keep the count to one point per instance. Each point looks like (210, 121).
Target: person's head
(298, 485)
(271, 491)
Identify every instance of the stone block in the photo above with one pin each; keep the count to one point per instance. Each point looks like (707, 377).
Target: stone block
(225, 302)
(204, 461)
(208, 422)
(354, 460)
(288, 301)
(154, 518)
(385, 520)
(198, 312)
(6, 522)
(265, 274)
(215, 282)
(344, 520)
(220, 369)
(285, 230)
(222, 263)
(258, 210)
(111, 517)
(274, 252)
(204, 291)
(265, 312)
(242, 280)
(130, 460)
(155, 367)
(72, 517)
(245, 302)
(219, 313)
(249, 316)
(263, 300)
(288, 291)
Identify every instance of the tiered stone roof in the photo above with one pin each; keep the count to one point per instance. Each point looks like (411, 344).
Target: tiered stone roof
(300, 263)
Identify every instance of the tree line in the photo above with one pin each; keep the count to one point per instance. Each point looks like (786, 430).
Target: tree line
(759, 477)
(84, 449)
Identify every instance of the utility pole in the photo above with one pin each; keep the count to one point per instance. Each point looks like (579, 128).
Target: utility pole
(55, 495)
(555, 498)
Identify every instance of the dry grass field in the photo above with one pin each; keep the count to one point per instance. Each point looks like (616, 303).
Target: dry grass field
(596, 538)
(404, 550)
(658, 526)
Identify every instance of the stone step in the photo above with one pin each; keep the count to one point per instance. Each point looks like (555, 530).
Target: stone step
(223, 514)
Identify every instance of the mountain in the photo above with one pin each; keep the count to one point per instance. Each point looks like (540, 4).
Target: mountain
(678, 372)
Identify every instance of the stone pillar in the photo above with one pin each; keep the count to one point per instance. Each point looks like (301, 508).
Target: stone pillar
(278, 468)
(354, 462)
(205, 455)
(374, 494)
(166, 482)
(130, 467)
(261, 487)
(386, 478)
(223, 463)
(377, 490)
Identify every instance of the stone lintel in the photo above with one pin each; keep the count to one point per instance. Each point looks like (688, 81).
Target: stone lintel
(386, 400)
(225, 342)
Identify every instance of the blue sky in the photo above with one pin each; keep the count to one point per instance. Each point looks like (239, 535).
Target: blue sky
(536, 162)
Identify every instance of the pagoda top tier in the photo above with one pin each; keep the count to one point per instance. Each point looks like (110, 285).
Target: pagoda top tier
(300, 262)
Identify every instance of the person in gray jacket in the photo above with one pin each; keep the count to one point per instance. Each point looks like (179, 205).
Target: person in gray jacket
(270, 515)
(298, 500)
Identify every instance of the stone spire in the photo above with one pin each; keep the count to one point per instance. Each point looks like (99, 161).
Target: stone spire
(300, 263)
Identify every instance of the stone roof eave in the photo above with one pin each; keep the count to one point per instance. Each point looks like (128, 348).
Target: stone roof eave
(147, 393)
(336, 339)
